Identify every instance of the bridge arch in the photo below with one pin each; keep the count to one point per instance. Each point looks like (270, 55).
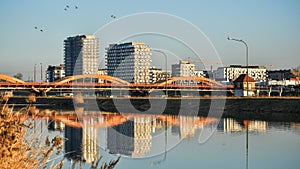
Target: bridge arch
(111, 79)
(11, 79)
(205, 81)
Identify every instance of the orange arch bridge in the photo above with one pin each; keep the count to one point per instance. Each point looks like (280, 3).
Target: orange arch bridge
(105, 78)
(107, 82)
(10, 79)
(190, 82)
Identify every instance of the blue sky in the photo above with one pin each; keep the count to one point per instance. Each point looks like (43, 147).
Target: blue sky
(270, 27)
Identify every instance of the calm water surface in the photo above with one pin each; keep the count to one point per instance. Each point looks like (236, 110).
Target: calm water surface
(165, 141)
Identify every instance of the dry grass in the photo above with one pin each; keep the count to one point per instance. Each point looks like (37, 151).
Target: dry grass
(20, 150)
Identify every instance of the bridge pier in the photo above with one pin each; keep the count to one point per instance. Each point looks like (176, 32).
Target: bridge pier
(269, 91)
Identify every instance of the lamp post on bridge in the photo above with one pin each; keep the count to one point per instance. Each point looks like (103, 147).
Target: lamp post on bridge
(247, 80)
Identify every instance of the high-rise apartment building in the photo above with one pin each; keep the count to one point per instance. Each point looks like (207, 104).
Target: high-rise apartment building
(129, 61)
(81, 55)
(184, 68)
(54, 73)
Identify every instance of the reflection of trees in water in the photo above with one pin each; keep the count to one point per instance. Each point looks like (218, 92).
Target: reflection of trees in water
(22, 147)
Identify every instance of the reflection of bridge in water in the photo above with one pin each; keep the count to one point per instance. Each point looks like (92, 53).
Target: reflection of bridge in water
(125, 134)
(128, 134)
(108, 119)
(107, 83)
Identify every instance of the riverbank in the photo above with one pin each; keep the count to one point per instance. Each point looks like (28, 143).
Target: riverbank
(263, 108)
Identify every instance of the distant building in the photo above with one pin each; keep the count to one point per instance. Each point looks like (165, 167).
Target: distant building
(183, 68)
(81, 55)
(200, 73)
(240, 86)
(101, 72)
(129, 61)
(281, 74)
(54, 73)
(210, 74)
(229, 74)
(157, 75)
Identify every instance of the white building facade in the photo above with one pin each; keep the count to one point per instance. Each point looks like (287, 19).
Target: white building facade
(229, 74)
(81, 55)
(183, 69)
(129, 61)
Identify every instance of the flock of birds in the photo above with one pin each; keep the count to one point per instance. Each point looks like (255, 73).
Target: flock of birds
(36, 28)
(67, 7)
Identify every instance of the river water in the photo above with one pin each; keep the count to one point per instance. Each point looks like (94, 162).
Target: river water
(170, 141)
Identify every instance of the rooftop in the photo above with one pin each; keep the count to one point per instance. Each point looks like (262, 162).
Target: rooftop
(243, 78)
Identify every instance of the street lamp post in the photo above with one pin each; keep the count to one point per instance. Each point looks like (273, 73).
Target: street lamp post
(166, 59)
(247, 80)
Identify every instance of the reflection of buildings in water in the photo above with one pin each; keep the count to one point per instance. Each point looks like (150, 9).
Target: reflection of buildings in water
(231, 125)
(295, 127)
(142, 136)
(54, 125)
(73, 142)
(187, 125)
(81, 143)
(120, 138)
(259, 126)
(131, 138)
(89, 141)
(280, 125)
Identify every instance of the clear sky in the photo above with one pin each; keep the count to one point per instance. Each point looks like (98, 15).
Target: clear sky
(270, 27)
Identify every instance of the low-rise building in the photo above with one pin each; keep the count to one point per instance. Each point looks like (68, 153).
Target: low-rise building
(281, 74)
(240, 86)
(200, 73)
(158, 75)
(54, 73)
(229, 74)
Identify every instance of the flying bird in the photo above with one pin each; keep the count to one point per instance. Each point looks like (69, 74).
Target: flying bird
(67, 6)
(113, 16)
(37, 28)
(76, 7)
(65, 9)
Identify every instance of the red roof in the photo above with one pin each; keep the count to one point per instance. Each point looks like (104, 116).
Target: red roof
(243, 78)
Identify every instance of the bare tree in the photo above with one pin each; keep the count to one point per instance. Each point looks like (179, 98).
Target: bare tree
(19, 76)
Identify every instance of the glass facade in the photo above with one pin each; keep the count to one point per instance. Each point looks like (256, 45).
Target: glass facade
(129, 61)
(81, 55)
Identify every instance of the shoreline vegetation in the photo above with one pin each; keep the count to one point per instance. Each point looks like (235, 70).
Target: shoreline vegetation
(20, 148)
